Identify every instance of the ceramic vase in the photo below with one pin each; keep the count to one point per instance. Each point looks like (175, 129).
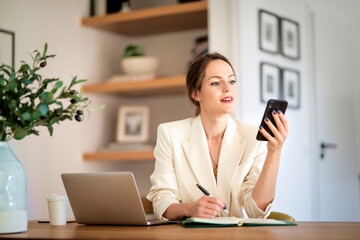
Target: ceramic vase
(13, 194)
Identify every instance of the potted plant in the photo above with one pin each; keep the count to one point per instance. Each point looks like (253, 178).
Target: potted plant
(134, 62)
(27, 101)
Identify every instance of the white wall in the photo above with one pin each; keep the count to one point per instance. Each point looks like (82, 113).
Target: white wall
(294, 180)
(95, 55)
(296, 192)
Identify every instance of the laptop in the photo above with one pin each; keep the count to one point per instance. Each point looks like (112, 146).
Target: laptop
(106, 198)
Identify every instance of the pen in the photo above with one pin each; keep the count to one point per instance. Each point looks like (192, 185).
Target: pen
(208, 194)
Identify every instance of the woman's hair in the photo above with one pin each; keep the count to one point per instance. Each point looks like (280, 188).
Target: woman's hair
(196, 74)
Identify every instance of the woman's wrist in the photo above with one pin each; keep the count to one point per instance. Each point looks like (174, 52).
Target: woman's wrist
(274, 153)
(177, 210)
(187, 207)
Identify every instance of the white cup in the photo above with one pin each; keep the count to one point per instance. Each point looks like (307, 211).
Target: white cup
(58, 206)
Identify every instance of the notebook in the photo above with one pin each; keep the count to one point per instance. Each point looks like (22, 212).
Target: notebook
(193, 222)
(107, 198)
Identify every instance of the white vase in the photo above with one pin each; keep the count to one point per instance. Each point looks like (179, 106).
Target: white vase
(13, 194)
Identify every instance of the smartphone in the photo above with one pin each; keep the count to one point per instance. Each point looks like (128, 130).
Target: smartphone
(272, 104)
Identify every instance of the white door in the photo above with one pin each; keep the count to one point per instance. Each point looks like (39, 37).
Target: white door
(336, 82)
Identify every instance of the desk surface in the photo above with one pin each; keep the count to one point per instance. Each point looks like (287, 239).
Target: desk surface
(304, 230)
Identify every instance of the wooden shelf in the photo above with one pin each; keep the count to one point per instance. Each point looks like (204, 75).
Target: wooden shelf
(159, 86)
(157, 20)
(120, 156)
(173, 18)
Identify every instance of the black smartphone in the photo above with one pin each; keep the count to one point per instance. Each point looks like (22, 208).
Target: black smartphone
(272, 104)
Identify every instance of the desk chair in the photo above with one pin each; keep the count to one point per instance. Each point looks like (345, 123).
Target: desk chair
(273, 215)
(280, 216)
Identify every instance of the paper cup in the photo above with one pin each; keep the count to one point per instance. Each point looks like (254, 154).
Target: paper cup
(58, 206)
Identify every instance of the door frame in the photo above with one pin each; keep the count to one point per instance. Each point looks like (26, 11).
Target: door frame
(312, 89)
(357, 105)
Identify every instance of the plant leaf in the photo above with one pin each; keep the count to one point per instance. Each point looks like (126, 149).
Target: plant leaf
(45, 49)
(25, 116)
(58, 84)
(80, 81)
(97, 108)
(50, 128)
(12, 85)
(43, 109)
(58, 103)
(20, 134)
(36, 115)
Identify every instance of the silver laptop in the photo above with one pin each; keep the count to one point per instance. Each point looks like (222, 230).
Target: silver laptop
(110, 198)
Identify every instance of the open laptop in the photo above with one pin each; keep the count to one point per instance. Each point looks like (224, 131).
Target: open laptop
(107, 198)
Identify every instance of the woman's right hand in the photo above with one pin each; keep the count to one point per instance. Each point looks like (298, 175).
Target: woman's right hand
(206, 207)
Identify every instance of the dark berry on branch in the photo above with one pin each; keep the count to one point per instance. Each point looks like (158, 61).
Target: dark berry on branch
(72, 92)
(78, 118)
(73, 101)
(79, 112)
(43, 64)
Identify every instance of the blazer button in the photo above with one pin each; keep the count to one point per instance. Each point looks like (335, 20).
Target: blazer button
(193, 186)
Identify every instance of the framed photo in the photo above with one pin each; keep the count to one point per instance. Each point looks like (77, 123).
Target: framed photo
(269, 81)
(133, 124)
(291, 87)
(7, 47)
(290, 39)
(268, 32)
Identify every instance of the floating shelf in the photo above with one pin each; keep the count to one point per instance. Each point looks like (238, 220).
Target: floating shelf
(150, 21)
(159, 86)
(120, 156)
(173, 18)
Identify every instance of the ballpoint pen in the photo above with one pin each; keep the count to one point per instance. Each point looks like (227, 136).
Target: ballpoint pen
(208, 194)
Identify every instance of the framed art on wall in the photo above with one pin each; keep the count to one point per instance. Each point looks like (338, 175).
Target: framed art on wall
(268, 32)
(290, 39)
(269, 81)
(133, 124)
(291, 87)
(7, 48)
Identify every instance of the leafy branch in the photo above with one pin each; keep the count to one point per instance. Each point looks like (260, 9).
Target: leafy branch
(27, 100)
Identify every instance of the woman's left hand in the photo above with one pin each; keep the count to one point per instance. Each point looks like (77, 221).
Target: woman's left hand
(280, 131)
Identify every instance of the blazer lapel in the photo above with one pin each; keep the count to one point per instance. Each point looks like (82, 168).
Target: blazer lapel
(197, 153)
(232, 150)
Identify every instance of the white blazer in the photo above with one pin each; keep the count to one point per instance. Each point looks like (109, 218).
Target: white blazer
(183, 160)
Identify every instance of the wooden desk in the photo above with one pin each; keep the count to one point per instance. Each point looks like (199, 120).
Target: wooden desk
(305, 230)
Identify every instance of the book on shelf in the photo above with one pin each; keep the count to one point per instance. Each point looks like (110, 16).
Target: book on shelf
(193, 222)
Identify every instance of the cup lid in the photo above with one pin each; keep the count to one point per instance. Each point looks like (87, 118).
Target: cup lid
(56, 197)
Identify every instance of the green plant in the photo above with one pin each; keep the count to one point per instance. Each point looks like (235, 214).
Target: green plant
(133, 51)
(27, 100)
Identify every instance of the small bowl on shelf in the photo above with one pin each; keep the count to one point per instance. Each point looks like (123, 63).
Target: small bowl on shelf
(140, 65)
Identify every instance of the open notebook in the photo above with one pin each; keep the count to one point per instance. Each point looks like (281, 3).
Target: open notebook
(232, 222)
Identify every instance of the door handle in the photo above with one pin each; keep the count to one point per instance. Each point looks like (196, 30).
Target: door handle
(323, 146)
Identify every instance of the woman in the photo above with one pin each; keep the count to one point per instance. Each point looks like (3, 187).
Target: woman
(215, 151)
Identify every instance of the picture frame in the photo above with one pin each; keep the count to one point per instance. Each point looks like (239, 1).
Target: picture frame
(269, 32)
(290, 38)
(133, 124)
(7, 48)
(270, 80)
(291, 87)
